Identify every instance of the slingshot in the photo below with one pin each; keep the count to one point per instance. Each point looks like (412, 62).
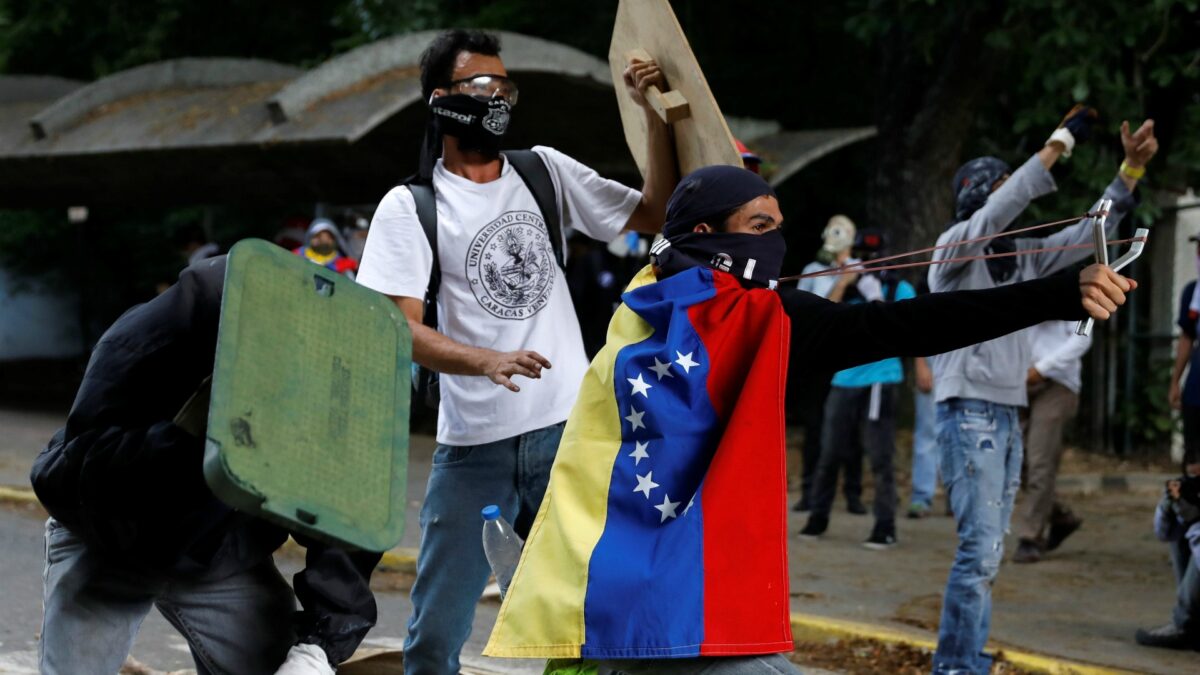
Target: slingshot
(1100, 239)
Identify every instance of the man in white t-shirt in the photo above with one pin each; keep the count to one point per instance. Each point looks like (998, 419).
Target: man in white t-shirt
(503, 310)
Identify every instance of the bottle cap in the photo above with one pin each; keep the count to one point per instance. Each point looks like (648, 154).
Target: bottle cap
(490, 512)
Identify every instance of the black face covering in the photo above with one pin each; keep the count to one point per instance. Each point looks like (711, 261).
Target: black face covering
(478, 125)
(755, 259)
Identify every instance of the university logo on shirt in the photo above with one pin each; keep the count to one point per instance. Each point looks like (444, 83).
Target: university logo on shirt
(510, 265)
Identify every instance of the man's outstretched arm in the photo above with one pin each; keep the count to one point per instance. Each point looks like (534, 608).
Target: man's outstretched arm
(850, 335)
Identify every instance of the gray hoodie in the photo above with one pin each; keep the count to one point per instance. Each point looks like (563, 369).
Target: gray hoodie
(995, 370)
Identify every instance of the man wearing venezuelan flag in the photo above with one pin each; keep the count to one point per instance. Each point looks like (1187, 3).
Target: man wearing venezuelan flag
(660, 546)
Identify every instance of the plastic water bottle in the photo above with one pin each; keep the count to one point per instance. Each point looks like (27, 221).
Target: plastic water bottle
(501, 545)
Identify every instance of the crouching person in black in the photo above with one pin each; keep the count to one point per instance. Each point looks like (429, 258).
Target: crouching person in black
(133, 525)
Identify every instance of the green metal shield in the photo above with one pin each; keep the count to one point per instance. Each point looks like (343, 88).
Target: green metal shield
(308, 424)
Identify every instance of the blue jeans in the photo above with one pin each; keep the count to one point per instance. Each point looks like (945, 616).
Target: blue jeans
(981, 451)
(451, 568)
(1186, 615)
(94, 606)
(925, 448)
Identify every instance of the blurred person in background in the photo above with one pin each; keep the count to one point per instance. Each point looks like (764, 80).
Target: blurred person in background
(355, 236)
(837, 241)
(924, 443)
(1177, 522)
(860, 411)
(750, 160)
(324, 247)
(1053, 383)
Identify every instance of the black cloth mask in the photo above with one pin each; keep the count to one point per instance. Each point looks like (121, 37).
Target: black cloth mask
(754, 259)
(478, 125)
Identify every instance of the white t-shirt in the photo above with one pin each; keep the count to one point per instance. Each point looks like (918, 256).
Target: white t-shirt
(501, 287)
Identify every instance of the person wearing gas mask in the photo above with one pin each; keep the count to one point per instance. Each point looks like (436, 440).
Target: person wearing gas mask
(980, 388)
(837, 239)
(503, 310)
(1177, 522)
(860, 411)
(324, 246)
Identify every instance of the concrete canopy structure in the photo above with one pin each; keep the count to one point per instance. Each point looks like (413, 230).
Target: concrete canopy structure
(216, 130)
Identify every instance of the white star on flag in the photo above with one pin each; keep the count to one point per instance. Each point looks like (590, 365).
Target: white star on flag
(646, 484)
(685, 361)
(667, 508)
(662, 369)
(639, 453)
(691, 503)
(635, 418)
(640, 386)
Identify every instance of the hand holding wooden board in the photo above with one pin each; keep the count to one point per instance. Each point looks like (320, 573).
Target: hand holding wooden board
(648, 29)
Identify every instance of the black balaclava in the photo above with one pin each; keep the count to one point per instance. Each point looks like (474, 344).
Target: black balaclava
(703, 196)
(972, 185)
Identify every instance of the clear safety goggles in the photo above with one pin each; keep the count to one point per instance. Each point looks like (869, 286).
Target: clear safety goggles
(487, 87)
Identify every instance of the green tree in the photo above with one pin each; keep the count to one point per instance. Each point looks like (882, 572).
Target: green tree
(961, 79)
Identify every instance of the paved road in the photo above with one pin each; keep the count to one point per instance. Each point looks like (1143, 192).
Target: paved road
(1082, 603)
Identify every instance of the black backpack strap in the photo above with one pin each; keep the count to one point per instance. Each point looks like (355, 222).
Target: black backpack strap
(426, 204)
(532, 169)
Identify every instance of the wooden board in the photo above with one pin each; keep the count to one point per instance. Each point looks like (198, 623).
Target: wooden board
(702, 138)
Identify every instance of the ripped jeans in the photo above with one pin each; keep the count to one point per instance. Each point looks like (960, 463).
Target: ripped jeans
(980, 444)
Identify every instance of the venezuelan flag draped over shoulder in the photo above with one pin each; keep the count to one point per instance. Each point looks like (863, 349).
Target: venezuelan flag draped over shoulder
(663, 531)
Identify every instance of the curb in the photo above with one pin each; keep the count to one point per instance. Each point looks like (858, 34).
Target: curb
(18, 495)
(810, 627)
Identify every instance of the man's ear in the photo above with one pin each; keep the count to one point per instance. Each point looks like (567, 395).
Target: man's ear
(702, 228)
(439, 91)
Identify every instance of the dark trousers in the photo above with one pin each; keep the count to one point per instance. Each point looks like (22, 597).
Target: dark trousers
(811, 414)
(858, 418)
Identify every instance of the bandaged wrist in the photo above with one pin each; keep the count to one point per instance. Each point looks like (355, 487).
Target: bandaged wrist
(1063, 135)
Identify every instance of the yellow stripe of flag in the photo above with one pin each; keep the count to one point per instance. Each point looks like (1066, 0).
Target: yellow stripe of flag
(542, 615)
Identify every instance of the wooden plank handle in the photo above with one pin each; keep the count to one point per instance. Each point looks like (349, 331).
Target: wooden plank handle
(671, 106)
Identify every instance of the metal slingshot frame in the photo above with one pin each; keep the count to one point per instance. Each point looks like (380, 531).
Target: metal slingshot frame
(1100, 238)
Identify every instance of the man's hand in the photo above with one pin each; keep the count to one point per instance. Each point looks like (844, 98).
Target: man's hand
(1033, 377)
(1140, 146)
(500, 367)
(1175, 396)
(924, 376)
(1103, 290)
(1173, 486)
(640, 76)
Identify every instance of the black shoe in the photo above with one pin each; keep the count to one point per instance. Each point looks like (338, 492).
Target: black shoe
(1028, 551)
(1168, 637)
(856, 507)
(883, 537)
(802, 505)
(815, 527)
(1061, 529)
